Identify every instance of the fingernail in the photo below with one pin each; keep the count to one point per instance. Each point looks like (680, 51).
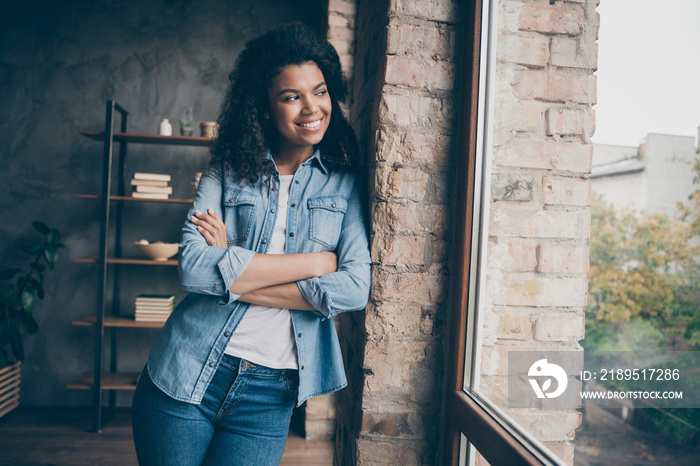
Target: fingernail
(196, 212)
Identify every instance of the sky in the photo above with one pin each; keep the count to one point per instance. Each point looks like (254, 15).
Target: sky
(648, 70)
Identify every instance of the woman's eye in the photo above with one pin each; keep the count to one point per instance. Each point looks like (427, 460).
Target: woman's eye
(323, 92)
(290, 98)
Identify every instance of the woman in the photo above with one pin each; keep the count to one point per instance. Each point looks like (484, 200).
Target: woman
(274, 246)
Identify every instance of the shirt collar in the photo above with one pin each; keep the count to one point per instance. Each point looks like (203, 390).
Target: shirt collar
(315, 158)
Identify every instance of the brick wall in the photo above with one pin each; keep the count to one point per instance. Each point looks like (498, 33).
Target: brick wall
(404, 65)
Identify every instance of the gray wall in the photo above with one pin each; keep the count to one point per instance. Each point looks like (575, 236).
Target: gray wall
(59, 63)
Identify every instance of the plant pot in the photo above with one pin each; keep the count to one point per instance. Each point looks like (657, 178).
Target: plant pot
(9, 387)
(186, 130)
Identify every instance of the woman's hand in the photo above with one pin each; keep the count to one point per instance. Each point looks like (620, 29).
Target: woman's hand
(211, 227)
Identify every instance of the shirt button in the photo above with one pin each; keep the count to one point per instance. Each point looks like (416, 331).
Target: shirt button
(299, 334)
(332, 205)
(302, 367)
(264, 241)
(297, 182)
(274, 190)
(230, 200)
(291, 234)
(226, 334)
(294, 205)
(272, 210)
(211, 364)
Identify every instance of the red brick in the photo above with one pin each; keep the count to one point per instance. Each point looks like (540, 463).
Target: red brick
(563, 121)
(513, 258)
(542, 292)
(562, 258)
(522, 50)
(399, 250)
(403, 71)
(551, 86)
(569, 52)
(409, 287)
(516, 222)
(565, 451)
(514, 325)
(397, 320)
(421, 42)
(567, 191)
(433, 10)
(548, 155)
(560, 326)
(553, 19)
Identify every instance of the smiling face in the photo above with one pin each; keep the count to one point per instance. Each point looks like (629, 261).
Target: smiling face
(300, 108)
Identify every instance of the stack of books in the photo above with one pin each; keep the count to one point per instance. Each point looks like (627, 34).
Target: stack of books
(153, 307)
(151, 186)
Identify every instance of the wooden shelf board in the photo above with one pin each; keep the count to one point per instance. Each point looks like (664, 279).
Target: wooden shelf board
(151, 139)
(116, 321)
(110, 381)
(135, 199)
(121, 260)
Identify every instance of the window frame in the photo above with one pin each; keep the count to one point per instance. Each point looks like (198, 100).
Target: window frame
(466, 413)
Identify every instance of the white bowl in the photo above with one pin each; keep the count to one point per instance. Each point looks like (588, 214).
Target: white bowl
(157, 251)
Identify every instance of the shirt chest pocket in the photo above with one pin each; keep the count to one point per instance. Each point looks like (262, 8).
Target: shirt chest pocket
(239, 214)
(326, 218)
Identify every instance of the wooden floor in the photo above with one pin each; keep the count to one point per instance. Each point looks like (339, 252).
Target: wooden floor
(61, 436)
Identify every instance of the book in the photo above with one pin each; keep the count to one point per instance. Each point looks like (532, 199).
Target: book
(151, 176)
(153, 313)
(155, 298)
(154, 189)
(140, 307)
(150, 319)
(150, 195)
(148, 183)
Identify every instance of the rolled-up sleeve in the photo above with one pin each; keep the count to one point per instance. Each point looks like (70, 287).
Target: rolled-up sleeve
(346, 289)
(202, 268)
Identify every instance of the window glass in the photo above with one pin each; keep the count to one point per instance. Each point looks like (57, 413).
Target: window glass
(585, 299)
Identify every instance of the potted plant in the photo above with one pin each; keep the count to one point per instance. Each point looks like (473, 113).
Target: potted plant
(186, 122)
(20, 291)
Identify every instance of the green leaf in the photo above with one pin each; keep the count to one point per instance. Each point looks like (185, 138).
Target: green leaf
(41, 227)
(53, 236)
(29, 300)
(17, 346)
(38, 267)
(50, 256)
(30, 325)
(9, 273)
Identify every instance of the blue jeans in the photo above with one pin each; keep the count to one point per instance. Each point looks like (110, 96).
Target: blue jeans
(243, 418)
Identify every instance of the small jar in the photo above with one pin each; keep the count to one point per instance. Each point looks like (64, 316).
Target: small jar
(165, 128)
(208, 129)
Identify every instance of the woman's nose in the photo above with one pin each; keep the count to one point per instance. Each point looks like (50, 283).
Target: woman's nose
(310, 106)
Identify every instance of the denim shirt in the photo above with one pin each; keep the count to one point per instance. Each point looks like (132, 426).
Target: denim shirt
(326, 212)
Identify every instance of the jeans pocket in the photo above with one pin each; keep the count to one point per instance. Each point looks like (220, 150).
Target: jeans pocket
(291, 380)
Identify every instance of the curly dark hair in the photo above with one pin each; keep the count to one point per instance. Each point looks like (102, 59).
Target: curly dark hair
(245, 135)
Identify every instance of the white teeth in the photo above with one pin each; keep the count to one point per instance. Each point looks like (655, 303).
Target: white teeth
(314, 124)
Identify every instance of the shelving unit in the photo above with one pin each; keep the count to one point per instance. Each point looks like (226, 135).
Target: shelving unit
(109, 317)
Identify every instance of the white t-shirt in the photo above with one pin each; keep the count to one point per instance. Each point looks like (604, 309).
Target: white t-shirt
(265, 335)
